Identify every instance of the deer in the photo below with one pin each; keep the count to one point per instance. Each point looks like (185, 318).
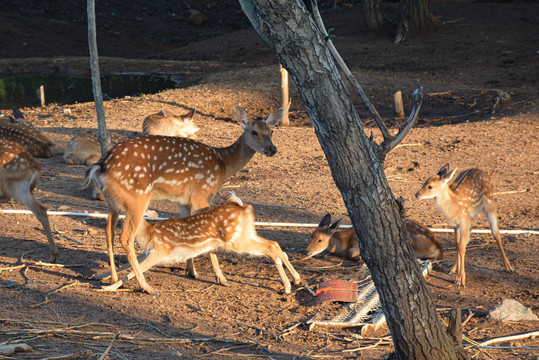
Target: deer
(19, 174)
(168, 124)
(459, 201)
(21, 131)
(344, 242)
(183, 170)
(84, 149)
(228, 227)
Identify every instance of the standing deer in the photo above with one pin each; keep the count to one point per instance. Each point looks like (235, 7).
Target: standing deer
(19, 174)
(459, 202)
(21, 131)
(175, 168)
(226, 227)
(343, 242)
(167, 124)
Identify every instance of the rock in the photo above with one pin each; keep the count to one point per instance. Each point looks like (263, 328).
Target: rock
(512, 310)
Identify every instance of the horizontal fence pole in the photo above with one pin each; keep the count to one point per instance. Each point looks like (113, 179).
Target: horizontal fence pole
(257, 223)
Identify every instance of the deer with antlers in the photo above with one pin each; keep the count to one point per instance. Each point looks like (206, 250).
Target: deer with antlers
(344, 242)
(167, 124)
(183, 170)
(21, 131)
(19, 174)
(459, 201)
(227, 227)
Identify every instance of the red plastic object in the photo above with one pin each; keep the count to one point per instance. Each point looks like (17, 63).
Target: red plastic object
(336, 290)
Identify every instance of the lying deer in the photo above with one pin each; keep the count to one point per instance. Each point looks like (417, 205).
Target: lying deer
(85, 149)
(343, 242)
(175, 168)
(19, 174)
(460, 201)
(21, 131)
(226, 227)
(167, 124)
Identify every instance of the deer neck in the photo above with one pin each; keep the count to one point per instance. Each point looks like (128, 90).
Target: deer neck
(447, 204)
(235, 156)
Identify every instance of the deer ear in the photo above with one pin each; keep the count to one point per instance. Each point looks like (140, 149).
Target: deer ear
(241, 115)
(448, 177)
(274, 118)
(189, 115)
(335, 226)
(167, 113)
(443, 170)
(17, 113)
(326, 220)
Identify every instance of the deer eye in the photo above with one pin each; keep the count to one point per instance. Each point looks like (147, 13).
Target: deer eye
(429, 187)
(254, 133)
(319, 240)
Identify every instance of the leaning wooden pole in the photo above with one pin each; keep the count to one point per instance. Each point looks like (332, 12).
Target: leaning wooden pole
(96, 79)
(285, 97)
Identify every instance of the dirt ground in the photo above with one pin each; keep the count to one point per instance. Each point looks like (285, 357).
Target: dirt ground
(484, 48)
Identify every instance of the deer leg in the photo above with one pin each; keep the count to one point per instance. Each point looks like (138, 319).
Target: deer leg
(130, 228)
(149, 261)
(464, 236)
(261, 246)
(219, 277)
(493, 222)
(21, 191)
(112, 221)
(457, 239)
(293, 272)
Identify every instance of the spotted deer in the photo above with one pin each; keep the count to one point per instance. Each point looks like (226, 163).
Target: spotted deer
(183, 170)
(227, 227)
(343, 242)
(84, 149)
(21, 131)
(460, 201)
(167, 124)
(19, 174)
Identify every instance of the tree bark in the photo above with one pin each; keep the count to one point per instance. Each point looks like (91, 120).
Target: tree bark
(414, 16)
(374, 16)
(96, 79)
(356, 164)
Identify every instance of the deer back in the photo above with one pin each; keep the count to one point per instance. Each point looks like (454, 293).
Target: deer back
(21, 131)
(425, 244)
(167, 124)
(85, 149)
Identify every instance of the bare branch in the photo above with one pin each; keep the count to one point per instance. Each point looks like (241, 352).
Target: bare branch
(349, 75)
(389, 143)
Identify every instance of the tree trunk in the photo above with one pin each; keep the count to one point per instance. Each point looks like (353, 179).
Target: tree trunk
(374, 16)
(414, 16)
(356, 164)
(96, 79)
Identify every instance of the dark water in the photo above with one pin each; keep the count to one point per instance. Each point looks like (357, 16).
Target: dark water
(22, 91)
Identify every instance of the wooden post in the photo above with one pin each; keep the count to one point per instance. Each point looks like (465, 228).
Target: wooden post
(41, 95)
(285, 98)
(398, 107)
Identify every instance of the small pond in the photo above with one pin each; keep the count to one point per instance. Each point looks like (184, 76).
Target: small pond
(22, 91)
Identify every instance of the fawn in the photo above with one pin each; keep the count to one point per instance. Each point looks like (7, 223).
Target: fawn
(344, 242)
(167, 124)
(21, 131)
(460, 201)
(226, 227)
(85, 149)
(183, 170)
(19, 174)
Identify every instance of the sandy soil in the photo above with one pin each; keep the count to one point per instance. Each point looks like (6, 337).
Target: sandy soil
(484, 48)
